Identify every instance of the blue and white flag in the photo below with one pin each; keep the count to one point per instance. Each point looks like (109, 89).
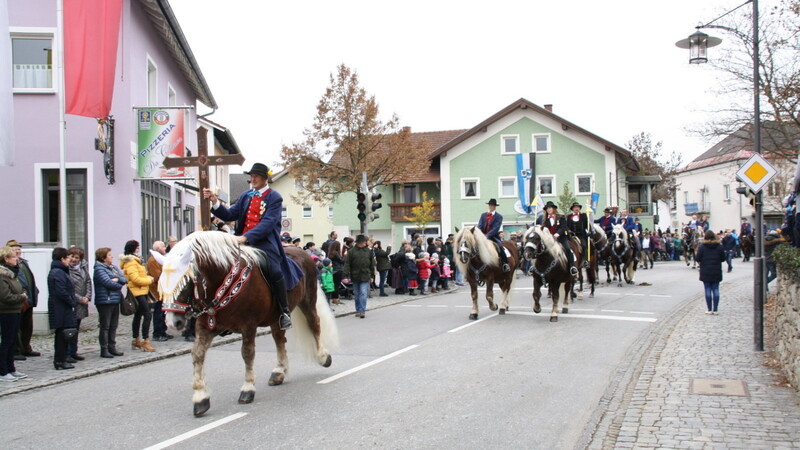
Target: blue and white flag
(595, 201)
(526, 181)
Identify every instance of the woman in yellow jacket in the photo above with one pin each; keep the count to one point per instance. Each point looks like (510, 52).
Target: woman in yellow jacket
(139, 285)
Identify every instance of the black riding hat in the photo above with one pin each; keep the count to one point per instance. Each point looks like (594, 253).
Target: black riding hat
(549, 205)
(492, 202)
(259, 169)
(575, 204)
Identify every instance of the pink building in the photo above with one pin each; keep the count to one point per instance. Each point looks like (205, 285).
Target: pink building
(155, 67)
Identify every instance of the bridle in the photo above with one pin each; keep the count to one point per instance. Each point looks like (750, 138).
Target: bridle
(538, 250)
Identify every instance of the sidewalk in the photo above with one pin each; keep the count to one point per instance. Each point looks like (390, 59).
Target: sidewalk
(41, 373)
(696, 382)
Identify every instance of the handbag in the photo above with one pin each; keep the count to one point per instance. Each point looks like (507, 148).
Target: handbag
(128, 304)
(69, 333)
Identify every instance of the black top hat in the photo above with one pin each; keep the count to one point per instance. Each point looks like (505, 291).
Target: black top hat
(575, 204)
(259, 169)
(607, 210)
(361, 238)
(492, 202)
(550, 205)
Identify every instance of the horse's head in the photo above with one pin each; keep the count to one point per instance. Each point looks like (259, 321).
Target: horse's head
(533, 243)
(175, 285)
(619, 233)
(598, 235)
(465, 245)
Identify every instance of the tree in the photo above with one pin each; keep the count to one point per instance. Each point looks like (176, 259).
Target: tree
(651, 162)
(779, 73)
(566, 198)
(423, 214)
(346, 139)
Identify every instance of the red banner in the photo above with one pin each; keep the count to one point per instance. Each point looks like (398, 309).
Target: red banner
(91, 32)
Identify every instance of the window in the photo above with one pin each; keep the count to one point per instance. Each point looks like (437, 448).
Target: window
(298, 185)
(507, 187)
(306, 212)
(685, 197)
(726, 191)
(330, 211)
(188, 218)
(410, 193)
(152, 86)
(32, 57)
(157, 213)
(284, 213)
(77, 222)
(172, 96)
(584, 183)
(470, 188)
(178, 203)
(546, 185)
(772, 189)
(541, 143)
(510, 144)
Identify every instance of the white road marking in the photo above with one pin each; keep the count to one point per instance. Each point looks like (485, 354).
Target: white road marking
(589, 316)
(612, 310)
(660, 295)
(457, 329)
(609, 293)
(463, 306)
(438, 306)
(640, 312)
(636, 295)
(411, 306)
(196, 431)
(364, 366)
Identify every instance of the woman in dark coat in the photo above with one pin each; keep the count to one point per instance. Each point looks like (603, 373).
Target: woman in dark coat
(61, 304)
(108, 282)
(383, 265)
(335, 255)
(710, 256)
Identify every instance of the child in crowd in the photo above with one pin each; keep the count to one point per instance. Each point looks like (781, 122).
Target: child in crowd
(434, 280)
(446, 272)
(424, 269)
(412, 272)
(326, 279)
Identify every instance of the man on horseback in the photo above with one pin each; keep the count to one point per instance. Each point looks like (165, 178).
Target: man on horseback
(558, 228)
(607, 222)
(490, 223)
(746, 229)
(629, 224)
(577, 224)
(258, 216)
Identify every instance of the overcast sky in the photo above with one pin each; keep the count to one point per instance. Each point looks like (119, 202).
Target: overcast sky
(610, 67)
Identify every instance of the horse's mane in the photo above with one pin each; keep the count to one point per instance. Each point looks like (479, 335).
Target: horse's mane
(220, 250)
(474, 238)
(553, 247)
(599, 229)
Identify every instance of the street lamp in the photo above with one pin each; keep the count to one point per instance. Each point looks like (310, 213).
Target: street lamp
(698, 44)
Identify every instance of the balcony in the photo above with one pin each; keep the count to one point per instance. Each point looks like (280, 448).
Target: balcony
(640, 208)
(401, 210)
(697, 208)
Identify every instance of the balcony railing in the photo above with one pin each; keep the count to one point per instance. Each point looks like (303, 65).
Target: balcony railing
(697, 208)
(640, 208)
(401, 210)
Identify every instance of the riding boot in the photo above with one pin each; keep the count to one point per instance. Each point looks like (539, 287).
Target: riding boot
(571, 262)
(280, 295)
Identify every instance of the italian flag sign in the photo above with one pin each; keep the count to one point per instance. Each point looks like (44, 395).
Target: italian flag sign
(160, 135)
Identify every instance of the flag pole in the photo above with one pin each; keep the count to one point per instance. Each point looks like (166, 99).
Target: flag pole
(62, 127)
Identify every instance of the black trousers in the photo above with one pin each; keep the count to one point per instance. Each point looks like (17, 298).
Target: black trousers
(159, 320)
(108, 321)
(25, 332)
(142, 315)
(9, 324)
(60, 346)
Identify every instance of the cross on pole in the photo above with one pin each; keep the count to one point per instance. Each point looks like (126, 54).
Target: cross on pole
(202, 161)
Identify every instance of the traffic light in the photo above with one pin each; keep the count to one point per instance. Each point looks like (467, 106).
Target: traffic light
(361, 198)
(375, 205)
(748, 193)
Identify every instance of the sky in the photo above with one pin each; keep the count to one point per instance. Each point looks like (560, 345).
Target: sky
(610, 67)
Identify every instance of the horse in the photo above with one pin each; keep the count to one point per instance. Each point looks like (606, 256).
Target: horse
(479, 260)
(224, 289)
(601, 251)
(549, 268)
(746, 242)
(690, 241)
(623, 256)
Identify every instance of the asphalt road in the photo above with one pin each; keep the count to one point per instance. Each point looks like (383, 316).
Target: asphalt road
(412, 375)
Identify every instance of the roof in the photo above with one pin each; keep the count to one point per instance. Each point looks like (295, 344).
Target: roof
(223, 136)
(525, 104)
(166, 25)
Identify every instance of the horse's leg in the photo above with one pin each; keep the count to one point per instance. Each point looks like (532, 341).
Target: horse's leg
(569, 287)
(505, 288)
(537, 295)
(631, 272)
(490, 294)
(618, 273)
(473, 289)
(279, 372)
(608, 271)
(554, 288)
(200, 398)
(248, 391)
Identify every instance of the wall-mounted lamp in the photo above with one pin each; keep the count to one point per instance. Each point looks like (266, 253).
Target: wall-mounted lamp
(176, 213)
(187, 215)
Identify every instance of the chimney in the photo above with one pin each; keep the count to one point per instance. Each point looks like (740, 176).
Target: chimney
(407, 129)
(549, 107)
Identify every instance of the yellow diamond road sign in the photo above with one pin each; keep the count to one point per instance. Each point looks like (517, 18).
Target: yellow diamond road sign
(756, 172)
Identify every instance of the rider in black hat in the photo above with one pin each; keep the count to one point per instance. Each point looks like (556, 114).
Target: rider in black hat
(557, 225)
(577, 223)
(258, 216)
(490, 224)
(608, 221)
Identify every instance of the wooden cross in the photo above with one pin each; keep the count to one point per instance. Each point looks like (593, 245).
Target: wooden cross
(202, 161)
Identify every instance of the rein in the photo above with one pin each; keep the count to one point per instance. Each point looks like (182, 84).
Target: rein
(475, 272)
(546, 271)
(595, 242)
(620, 254)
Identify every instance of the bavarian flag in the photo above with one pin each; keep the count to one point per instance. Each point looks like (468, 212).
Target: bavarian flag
(526, 181)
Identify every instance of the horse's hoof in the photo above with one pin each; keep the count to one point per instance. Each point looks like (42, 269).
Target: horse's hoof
(473, 316)
(502, 311)
(328, 361)
(553, 318)
(201, 407)
(246, 397)
(537, 309)
(493, 307)
(619, 284)
(564, 310)
(275, 379)
(591, 295)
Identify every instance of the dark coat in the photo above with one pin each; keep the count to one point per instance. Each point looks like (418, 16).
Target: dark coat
(61, 299)
(28, 282)
(412, 273)
(493, 233)
(359, 265)
(11, 298)
(559, 226)
(728, 243)
(382, 259)
(266, 236)
(710, 256)
(606, 223)
(578, 227)
(106, 291)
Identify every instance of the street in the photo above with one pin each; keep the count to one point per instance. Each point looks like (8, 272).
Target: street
(411, 375)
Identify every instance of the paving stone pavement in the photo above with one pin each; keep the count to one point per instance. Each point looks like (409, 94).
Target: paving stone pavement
(651, 404)
(41, 373)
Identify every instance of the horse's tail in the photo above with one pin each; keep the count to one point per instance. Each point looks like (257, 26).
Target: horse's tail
(328, 331)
